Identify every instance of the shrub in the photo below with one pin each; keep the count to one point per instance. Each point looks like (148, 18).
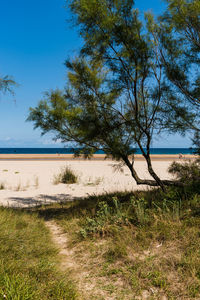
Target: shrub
(66, 176)
(2, 186)
(188, 173)
(108, 213)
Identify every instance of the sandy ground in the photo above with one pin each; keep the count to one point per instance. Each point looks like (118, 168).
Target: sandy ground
(31, 182)
(95, 157)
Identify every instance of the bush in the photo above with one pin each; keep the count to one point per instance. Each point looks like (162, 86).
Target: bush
(188, 173)
(107, 214)
(66, 176)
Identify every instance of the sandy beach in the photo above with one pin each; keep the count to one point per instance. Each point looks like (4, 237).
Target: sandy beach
(70, 157)
(28, 181)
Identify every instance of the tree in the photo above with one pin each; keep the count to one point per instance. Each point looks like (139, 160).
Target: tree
(178, 38)
(6, 84)
(116, 97)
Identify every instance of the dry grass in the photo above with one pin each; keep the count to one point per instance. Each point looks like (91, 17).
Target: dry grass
(36, 182)
(2, 186)
(66, 176)
(127, 250)
(19, 187)
(94, 181)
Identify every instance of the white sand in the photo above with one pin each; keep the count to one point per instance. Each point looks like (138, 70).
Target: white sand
(29, 182)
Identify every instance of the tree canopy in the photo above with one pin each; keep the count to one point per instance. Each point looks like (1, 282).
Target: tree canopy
(117, 96)
(6, 84)
(181, 41)
(178, 36)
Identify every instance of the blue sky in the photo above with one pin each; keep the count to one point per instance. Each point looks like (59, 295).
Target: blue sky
(36, 38)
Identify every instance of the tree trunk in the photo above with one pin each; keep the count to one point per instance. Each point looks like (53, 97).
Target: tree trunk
(149, 182)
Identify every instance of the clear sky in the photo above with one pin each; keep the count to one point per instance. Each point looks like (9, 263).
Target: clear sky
(36, 37)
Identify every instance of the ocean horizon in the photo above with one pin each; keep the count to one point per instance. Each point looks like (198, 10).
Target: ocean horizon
(160, 151)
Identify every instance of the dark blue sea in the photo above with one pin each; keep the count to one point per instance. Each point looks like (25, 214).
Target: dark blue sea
(71, 151)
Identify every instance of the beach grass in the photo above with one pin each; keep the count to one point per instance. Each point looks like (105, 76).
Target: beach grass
(28, 260)
(141, 245)
(66, 176)
(2, 185)
(133, 246)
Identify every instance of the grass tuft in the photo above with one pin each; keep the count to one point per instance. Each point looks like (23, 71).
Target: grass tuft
(66, 176)
(2, 186)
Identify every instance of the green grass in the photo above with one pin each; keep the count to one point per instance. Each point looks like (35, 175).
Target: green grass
(28, 260)
(129, 244)
(123, 246)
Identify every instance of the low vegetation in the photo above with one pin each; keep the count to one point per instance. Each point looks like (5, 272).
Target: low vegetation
(94, 181)
(66, 176)
(188, 173)
(142, 245)
(28, 264)
(2, 185)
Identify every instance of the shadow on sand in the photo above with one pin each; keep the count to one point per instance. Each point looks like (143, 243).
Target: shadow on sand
(42, 199)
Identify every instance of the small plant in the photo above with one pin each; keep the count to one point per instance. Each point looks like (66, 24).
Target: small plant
(188, 173)
(2, 186)
(107, 213)
(16, 172)
(157, 279)
(116, 250)
(36, 182)
(66, 176)
(19, 187)
(96, 181)
(140, 210)
(5, 170)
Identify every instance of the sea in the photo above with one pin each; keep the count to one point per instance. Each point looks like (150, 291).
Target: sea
(160, 151)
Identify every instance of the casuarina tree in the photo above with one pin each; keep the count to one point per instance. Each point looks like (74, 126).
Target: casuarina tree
(6, 84)
(116, 96)
(178, 37)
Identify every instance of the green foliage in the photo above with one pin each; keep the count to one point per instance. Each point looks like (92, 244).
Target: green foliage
(115, 96)
(16, 288)
(157, 279)
(131, 80)
(107, 213)
(178, 37)
(196, 142)
(66, 176)
(134, 244)
(2, 186)
(113, 212)
(140, 209)
(6, 84)
(28, 260)
(188, 173)
(182, 20)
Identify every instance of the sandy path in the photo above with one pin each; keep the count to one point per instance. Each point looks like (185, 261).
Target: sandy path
(79, 271)
(60, 240)
(30, 182)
